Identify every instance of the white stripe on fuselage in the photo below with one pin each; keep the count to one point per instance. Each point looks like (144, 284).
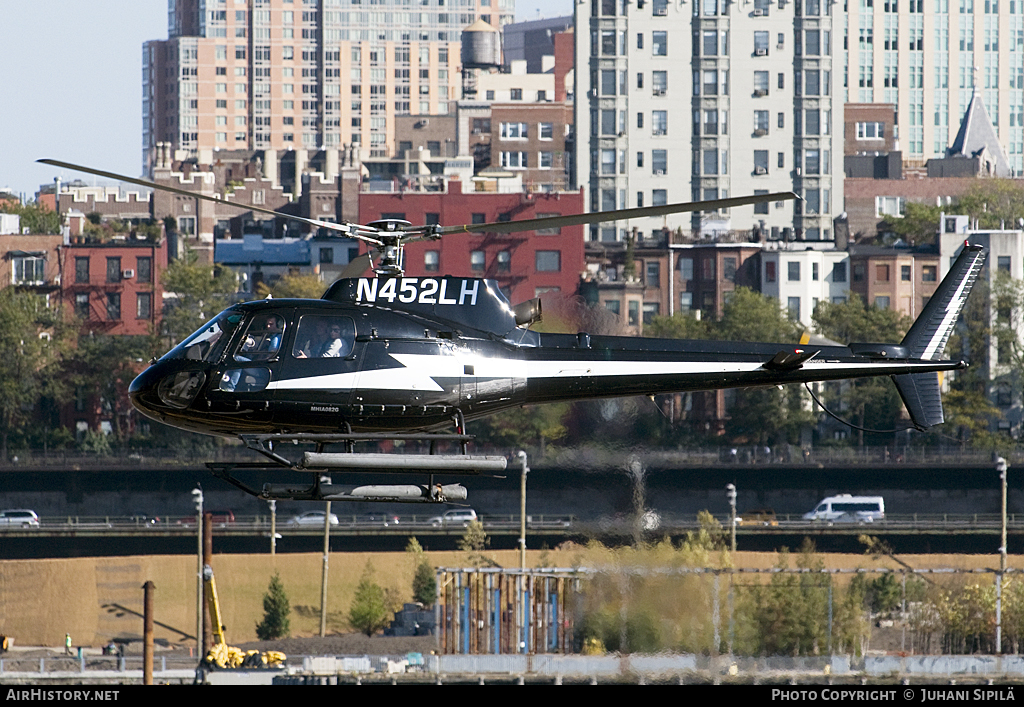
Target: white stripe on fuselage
(419, 371)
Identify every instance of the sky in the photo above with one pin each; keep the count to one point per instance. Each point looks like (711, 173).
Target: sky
(71, 84)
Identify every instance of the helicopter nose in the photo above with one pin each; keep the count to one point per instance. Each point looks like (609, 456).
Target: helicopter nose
(162, 387)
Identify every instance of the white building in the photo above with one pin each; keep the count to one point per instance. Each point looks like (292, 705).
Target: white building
(709, 99)
(800, 279)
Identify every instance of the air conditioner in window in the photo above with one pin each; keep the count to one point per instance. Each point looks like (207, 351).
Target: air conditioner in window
(798, 171)
(760, 92)
(660, 11)
(760, 13)
(659, 92)
(127, 274)
(659, 172)
(760, 170)
(760, 132)
(760, 52)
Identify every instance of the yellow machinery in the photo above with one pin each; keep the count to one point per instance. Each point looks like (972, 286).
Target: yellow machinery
(222, 655)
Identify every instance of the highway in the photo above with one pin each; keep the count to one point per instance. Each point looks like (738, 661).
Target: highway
(114, 535)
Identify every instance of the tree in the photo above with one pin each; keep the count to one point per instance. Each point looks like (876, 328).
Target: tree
(424, 582)
(37, 218)
(994, 203)
(304, 286)
(197, 292)
(918, 223)
(32, 343)
(276, 610)
(873, 402)
(369, 611)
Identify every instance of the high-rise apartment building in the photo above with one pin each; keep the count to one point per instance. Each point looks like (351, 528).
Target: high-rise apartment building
(302, 75)
(929, 57)
(709, 99)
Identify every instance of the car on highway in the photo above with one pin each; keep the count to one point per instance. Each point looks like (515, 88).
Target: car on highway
(311, 519)
(19, 518)
(460, 517)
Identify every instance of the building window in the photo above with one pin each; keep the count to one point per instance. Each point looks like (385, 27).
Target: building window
(793, 307)
(549, 261)
(552, 231)
(882, 302)
(1003, 264)
(327, 256)
(729, 268)
(504, 261)
(82, 305)
(881, 273)
(651, 310)
(659, 197)
(890, 206)
(517, 94)
(870, 131)
(514, 160)
(769, 271)
(614, 306)
(114, 306)
(114, 270)
(476, 260)
(929, 273)
(514, 131)
(760, 207)
(793, 270)
(144, 305)
(660, 43)
(29, 270)
(82, 270)
(547, 131)
(905, 273)
(431, 260)
(652, 274)
(659, 161)
(144, 270)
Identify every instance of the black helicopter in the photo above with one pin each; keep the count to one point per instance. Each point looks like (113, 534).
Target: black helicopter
(402, 358)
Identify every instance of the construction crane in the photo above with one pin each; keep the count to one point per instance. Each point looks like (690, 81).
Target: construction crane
(223, 656)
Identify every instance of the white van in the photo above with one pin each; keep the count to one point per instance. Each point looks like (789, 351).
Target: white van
(850, 509)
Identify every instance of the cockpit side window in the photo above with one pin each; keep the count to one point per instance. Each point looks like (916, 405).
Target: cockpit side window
(324, 336)
(207, 343)
(262, 340)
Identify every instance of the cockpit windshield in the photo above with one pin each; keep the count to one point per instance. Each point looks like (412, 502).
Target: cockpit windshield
(207, 343)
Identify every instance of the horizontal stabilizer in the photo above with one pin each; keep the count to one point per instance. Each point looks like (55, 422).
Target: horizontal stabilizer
(920, 393)
(790, 360)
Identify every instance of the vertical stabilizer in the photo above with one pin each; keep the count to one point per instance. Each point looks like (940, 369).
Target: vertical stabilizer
(928, 336)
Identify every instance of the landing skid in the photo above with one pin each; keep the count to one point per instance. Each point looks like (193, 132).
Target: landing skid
(321, 463)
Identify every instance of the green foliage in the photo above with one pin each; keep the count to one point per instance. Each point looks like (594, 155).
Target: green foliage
(303, 286)
(276, 611)
(369, 612)
(871, 402)
(524, 427)
(37, 218)
(919, 223)
(424, 581)
(995, 203)
(853, 321)
(33, 343)
(200, 292)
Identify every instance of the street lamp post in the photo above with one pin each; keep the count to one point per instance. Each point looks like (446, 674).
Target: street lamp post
(1001, 467)
(730, 493)
(197, 500)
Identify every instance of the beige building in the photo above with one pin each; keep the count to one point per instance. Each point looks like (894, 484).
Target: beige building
(310, 76)
(927, 56)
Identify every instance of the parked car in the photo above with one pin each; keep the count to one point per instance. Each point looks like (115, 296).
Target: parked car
(19, 518)
(312, 519)
(459, 517)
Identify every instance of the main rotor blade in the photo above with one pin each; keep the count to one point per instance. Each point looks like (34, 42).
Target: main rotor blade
(618, 215)
(347, 229)
(357, 266)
